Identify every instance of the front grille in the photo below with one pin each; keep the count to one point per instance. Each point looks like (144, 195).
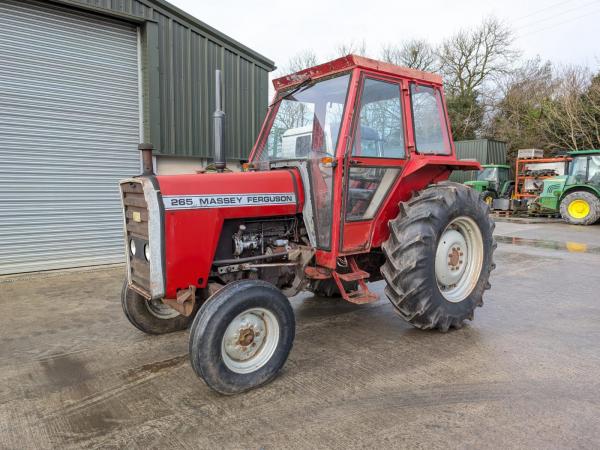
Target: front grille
(136, 228)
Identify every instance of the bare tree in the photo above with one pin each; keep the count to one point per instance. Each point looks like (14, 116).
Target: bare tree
(518, 115)
(547, 107)
(472, 62)
(573, 115)
(303, 60)
(471, 58)
(416, 54)
(354, 47)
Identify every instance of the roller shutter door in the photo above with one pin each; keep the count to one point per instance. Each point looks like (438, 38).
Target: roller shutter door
(69, 129)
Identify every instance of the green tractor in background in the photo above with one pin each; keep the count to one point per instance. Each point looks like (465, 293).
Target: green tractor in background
(575, 195)
(493, 181)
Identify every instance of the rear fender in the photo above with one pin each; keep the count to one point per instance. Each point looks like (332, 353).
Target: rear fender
(416, 176)
(580, 187)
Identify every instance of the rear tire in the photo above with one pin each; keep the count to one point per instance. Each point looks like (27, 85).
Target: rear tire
(242, 336)
(439, 256)
(580, 208)
(151, 317)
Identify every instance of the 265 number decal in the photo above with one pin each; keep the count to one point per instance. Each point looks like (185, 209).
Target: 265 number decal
(182, 202)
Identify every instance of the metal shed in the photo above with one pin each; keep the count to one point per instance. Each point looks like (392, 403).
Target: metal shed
(486, 151)
(82, 82)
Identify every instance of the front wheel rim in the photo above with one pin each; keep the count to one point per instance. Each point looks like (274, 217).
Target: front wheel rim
(459, 259)
(159, 310)
(250, 340)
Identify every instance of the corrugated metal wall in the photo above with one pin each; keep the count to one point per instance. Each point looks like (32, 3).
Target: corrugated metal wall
(69, 128)
(486, 151)
(189, 52)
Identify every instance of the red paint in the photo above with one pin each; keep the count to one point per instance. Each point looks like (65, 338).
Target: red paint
(191, 236)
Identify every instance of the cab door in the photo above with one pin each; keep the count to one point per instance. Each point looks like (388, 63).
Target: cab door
(375, 156)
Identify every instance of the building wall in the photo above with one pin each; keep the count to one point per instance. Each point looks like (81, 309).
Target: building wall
(179, 55)
(485, 151)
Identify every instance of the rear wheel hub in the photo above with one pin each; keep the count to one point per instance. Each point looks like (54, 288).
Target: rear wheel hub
(579, 209)
(459, 259)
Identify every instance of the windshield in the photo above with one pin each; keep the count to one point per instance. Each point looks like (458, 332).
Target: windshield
(307, 122)
(488, 174)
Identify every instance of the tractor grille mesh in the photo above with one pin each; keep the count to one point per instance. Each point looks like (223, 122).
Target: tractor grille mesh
(136, 226)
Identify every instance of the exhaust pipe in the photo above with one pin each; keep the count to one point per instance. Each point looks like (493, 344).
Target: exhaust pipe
(218, 126)
(147, 166)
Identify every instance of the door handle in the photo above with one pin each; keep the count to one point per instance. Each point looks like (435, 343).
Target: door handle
(354, 162)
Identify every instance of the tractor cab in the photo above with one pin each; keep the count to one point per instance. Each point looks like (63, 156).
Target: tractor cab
(493, 181)
(351, 127)
(584, 168)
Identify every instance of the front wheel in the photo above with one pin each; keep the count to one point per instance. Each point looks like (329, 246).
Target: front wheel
(151, 316)
(439, 256)
(242, 336)
(488, 197)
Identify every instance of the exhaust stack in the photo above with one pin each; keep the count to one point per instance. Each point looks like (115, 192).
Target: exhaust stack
(218, 126)
(147, 166)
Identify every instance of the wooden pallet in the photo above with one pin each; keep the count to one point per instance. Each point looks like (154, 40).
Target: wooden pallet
(506, 213)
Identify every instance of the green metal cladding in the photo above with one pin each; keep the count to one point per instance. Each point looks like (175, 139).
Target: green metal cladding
(179, 58)
(486, 151)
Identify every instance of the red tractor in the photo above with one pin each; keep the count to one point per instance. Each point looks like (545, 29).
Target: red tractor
(345, 184)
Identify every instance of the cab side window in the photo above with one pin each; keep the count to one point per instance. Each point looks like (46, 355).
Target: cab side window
(380, 130)
(429, 120)
(594, 169)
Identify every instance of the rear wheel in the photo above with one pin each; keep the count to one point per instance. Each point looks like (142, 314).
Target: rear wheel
(439, 256)
(242, 336)
(580, 208)
(151, 316)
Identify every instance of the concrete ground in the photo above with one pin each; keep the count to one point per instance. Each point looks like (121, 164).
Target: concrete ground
(524, 374)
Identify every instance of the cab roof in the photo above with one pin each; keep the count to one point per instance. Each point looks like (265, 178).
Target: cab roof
(583, 152)
(349, 62)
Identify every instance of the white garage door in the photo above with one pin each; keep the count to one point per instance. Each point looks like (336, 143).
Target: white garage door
(69, 129)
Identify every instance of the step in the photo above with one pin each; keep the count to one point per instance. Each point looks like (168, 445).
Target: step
(353, 276)
(361, 297)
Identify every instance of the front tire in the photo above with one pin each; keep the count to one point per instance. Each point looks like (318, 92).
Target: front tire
(242, 336)
(488, 197)
(151, 316)
(439, 256)
(580, 208)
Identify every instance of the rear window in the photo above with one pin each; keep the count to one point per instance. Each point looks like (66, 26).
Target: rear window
(429, 120)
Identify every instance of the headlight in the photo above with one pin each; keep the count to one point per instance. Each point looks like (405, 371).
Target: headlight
(147, 252)
(132, 247)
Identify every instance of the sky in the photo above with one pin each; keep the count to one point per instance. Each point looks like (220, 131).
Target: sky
(562, 31)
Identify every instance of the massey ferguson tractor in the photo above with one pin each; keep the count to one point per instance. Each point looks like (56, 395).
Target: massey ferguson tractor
(346, 185)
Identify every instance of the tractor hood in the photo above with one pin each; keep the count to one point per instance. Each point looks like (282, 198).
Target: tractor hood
(478, 185)
(269, 193)
(196, 206)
